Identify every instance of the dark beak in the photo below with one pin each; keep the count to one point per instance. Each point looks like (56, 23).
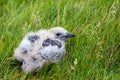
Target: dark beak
(70, 35)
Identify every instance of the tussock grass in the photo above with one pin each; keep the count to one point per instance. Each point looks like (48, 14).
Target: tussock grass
(94, 54)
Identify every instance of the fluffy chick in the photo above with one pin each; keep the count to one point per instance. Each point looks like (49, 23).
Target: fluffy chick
(41, 47)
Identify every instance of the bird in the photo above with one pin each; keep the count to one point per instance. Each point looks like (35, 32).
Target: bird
(41, 47)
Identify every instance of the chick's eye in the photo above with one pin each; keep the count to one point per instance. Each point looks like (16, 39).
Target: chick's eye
(58, 34)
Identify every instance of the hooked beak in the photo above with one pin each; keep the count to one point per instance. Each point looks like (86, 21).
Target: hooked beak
(68, 35)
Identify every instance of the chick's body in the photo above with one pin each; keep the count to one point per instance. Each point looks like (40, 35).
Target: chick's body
(41, 47)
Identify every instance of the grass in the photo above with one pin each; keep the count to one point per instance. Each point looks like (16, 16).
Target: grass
(94, 54)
